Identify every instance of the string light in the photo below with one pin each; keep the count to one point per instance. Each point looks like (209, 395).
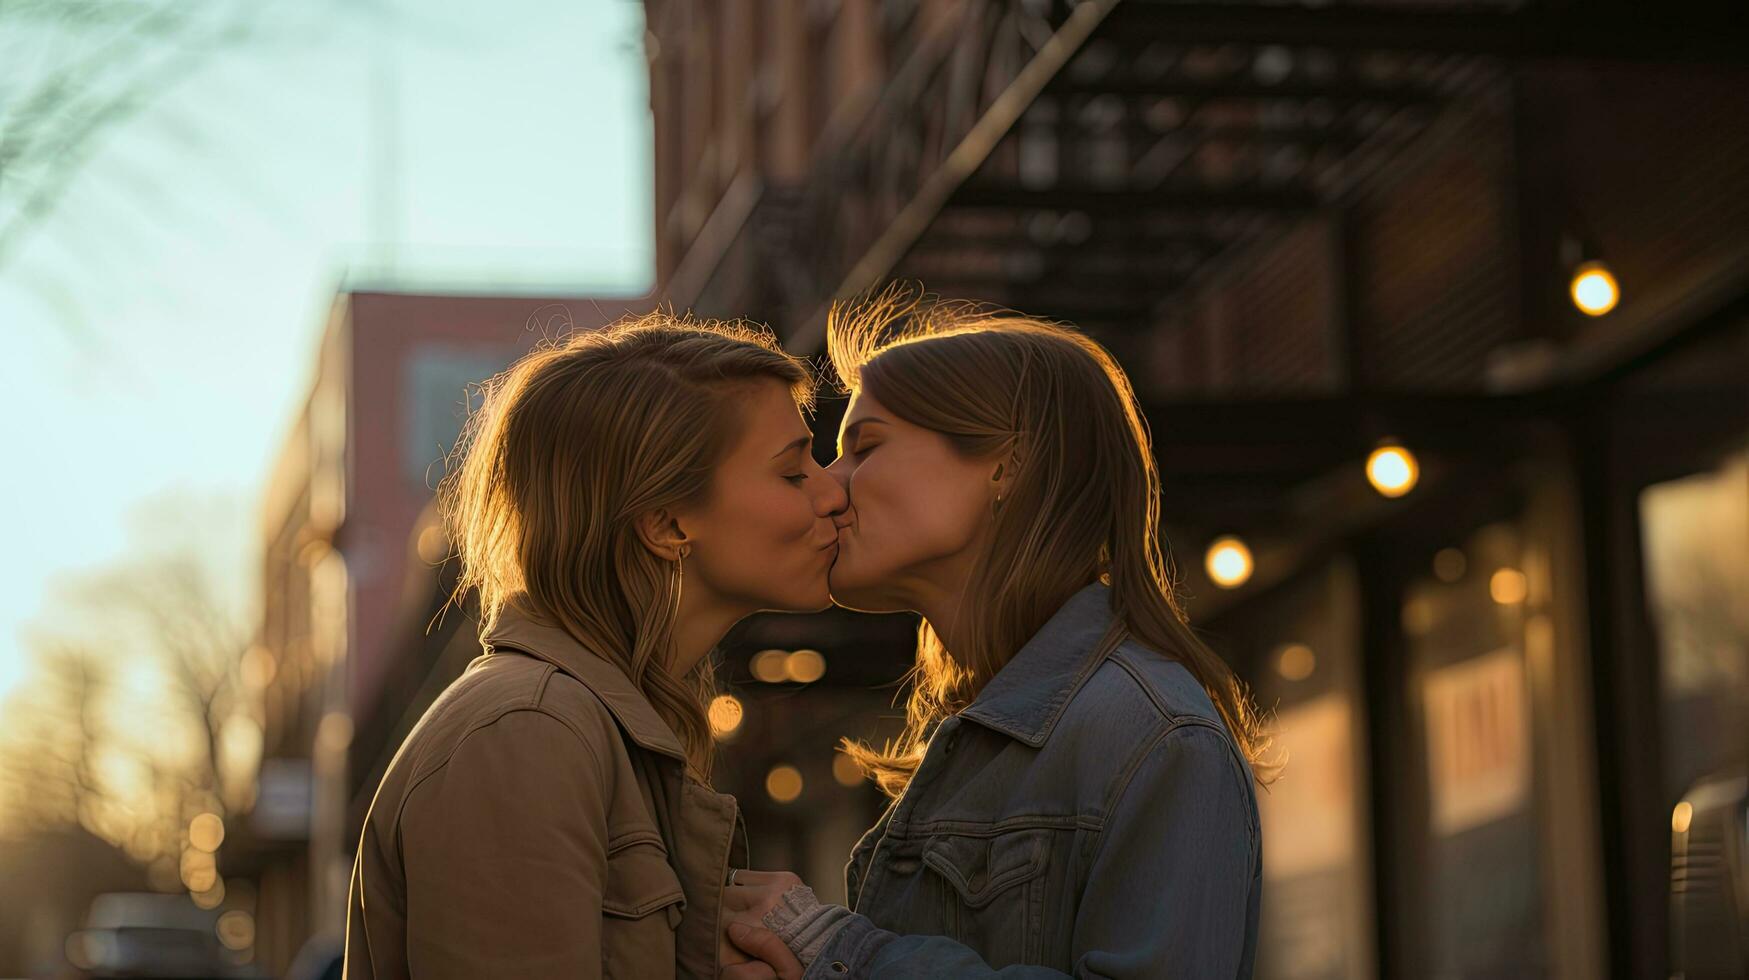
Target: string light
(1392, 470)
(1229, 562)
(1594, 289)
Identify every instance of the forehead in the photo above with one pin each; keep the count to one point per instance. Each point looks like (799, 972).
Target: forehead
(769, 418)
(862, 405)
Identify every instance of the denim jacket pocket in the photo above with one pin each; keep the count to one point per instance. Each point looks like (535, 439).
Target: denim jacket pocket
(995, 890)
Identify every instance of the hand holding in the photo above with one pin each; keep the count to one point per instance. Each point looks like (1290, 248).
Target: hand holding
(774, 960)
(756, 893)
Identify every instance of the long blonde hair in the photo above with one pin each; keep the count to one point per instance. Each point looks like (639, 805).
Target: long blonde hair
(571, 445)
(1083, 504)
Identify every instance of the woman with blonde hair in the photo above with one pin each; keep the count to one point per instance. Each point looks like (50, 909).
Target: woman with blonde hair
(1073, 791)
(622, 498)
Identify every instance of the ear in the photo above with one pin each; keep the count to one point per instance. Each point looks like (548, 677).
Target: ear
(661, 533)
(1002, 477)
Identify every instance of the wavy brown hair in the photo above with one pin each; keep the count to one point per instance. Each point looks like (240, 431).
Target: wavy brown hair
(1083, 504)
(570, 446)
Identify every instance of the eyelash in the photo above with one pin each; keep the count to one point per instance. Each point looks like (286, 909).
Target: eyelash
(796, 479)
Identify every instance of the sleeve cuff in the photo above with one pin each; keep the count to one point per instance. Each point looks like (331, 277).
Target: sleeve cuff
(803, 923)
(847, 952)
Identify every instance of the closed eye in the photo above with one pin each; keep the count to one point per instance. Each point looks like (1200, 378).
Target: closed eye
(796, 478)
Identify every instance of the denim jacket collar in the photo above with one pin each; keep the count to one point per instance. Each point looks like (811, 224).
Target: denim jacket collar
(1028, 695)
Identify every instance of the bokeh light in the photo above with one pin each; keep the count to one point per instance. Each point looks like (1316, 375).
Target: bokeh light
(845, 770)
(199, 872)
(805, 666)
(1450, 564)
(770, 666)
(236, 929)
(206, 832)
(1508, 586)
(213, 897)
(1229, 562)
(1594, 289)
(784, 783)
(1392, 470)
(1295, 662)
(726, 713)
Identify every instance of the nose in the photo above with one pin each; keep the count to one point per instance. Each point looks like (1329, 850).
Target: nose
(839, 471)
(834, 496)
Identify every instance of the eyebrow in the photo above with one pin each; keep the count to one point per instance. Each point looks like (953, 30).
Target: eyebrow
(801, 443)
(850, 431)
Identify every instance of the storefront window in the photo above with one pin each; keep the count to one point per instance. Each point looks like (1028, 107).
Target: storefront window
(1302, 652)
(1695, 547)
(1466, 625)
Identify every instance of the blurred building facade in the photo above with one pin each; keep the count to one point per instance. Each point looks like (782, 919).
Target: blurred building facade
(1304, 233)
(1509, 238)
(349, 636)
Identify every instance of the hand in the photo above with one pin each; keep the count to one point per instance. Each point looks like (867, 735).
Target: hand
(775, 961)
(755, 893)
(727, 953)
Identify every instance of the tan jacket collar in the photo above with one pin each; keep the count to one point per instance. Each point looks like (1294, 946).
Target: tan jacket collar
(522, 631)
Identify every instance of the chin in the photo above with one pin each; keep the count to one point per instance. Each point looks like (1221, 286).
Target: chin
(849, 592)
(813, 598)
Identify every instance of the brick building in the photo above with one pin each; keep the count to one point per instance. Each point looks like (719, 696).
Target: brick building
(348, 643)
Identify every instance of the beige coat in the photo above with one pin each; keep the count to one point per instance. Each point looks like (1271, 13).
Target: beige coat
(537, 823)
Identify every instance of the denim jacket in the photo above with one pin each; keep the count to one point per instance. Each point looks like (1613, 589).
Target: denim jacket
(1085, 816)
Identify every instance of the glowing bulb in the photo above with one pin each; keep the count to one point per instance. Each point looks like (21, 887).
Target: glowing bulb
(725, 715)
(1229, 562)
(1594, 289)
(784, 783)
(1392, 470)
(1681, 817)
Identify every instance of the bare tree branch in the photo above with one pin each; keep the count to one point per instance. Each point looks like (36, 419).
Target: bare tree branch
(74, 752)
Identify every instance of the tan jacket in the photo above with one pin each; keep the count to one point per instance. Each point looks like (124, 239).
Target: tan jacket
(537, 823)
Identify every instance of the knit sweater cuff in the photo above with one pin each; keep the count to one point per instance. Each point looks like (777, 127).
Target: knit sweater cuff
(805, 925)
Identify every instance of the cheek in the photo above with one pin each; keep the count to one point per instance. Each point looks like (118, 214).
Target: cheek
(759, 539)
(912, 507)
(768, 520)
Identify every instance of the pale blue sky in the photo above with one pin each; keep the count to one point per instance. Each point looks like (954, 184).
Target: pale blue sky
(158, 330)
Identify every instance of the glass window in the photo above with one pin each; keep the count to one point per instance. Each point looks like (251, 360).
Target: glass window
(1464, 621)
(435, 401)
(1695, 547)
(1302, 650)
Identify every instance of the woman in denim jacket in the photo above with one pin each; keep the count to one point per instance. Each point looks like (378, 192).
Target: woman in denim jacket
(1074, 789)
